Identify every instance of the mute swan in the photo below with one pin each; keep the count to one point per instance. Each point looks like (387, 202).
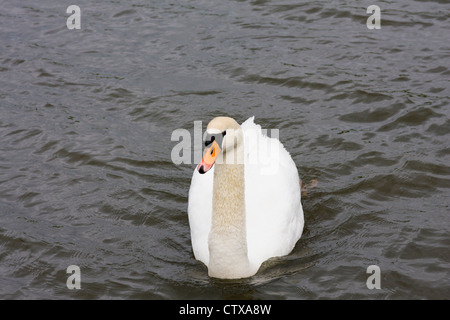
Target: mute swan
(244, 200)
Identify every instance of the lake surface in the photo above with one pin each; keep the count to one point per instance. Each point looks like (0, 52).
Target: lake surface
(87, 178)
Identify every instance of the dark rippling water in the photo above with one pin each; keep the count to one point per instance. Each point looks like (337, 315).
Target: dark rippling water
(86, 176)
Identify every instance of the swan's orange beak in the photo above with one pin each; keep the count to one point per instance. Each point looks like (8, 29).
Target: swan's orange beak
(209, 158)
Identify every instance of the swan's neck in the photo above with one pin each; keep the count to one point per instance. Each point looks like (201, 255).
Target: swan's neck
(227, 239)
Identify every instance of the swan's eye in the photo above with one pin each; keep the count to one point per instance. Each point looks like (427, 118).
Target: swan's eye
(218, 137)
(209, 140)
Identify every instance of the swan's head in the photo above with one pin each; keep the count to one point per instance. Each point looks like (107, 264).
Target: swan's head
(223, 135)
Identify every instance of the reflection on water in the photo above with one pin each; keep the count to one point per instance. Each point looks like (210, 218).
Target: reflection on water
(85, 155)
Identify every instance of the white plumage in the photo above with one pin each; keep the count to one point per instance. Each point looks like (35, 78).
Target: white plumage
(273, 210)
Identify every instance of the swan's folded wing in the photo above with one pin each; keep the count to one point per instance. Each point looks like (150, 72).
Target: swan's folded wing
(199, 212)
(273, 199)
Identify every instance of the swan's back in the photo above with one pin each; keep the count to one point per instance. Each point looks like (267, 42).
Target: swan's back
(273, 204)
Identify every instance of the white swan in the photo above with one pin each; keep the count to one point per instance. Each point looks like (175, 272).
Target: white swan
(244, 200)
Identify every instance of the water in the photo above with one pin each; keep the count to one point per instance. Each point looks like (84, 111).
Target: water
(85, 152)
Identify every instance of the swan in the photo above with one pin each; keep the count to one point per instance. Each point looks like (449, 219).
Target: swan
(244, 202)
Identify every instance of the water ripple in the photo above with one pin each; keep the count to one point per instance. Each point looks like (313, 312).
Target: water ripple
(86, 175)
